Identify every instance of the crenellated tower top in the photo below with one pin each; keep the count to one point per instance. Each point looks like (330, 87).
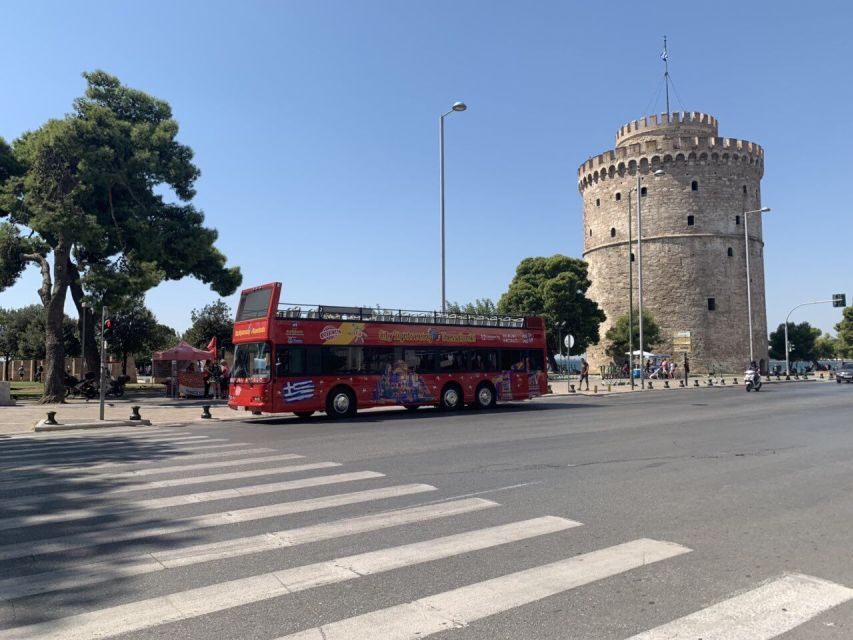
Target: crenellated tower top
(676, 125)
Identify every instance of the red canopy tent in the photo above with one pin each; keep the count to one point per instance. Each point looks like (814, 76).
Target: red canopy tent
(183, 354)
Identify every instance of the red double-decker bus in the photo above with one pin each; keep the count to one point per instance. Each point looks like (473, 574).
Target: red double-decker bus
(301, 359)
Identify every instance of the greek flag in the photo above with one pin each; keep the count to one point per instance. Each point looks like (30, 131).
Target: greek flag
(299, 390)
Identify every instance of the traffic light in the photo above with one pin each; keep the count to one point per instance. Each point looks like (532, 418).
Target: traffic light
(839, 300)
(109, 329)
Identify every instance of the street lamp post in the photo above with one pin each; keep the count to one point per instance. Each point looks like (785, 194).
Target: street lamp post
(457, 106)
(658, 173)
(748, 284)
(789, 348)
(560, 340)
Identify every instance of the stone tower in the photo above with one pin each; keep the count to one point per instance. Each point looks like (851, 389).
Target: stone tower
(694, 257)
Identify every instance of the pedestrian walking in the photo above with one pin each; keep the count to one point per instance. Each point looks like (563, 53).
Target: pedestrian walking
(39, 372)
(205, 376)
(224, 378)
(584, 374)
(21, 372)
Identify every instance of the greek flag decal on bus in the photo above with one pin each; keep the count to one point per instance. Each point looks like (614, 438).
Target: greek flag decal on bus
(298, 390)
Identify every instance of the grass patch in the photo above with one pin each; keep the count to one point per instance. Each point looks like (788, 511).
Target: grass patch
(27, 389)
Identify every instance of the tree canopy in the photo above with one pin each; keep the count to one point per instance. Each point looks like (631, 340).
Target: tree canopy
(801, 339)
(555, 288)
(104, 194)
(617, 335)
(480, 307)
(136, 332)
(844, 348)
(212, 320)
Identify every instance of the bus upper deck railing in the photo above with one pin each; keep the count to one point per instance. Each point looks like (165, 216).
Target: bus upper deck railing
(288, 311)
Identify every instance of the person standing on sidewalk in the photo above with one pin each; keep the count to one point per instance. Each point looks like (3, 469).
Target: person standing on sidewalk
(584, 374)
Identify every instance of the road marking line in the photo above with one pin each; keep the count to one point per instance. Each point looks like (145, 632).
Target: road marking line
(41, 448)
(160, 470)
(183, 500)
(123, 465)
(143, 529)
(94, 573)
(760, 614)
(35, 500)
(55, 459)
(59, 436)
(460, 607)
(193, 603)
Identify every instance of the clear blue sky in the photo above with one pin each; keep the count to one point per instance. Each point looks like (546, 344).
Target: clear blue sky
(315, 125)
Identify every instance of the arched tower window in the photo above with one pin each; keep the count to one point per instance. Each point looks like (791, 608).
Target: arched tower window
(618, 196)
(694, 186)
(737, 219)
(632, 256)
(643, 191)
(590, 232)
(612, 232)
(598, 202)
(744, 189)
(730, 252)
(690, 221)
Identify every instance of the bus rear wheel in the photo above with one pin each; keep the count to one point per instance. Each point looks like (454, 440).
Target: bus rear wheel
(485, 396)
(451, 398)
(340, 403)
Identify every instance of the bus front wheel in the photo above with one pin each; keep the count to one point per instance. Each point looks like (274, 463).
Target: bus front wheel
(340, 403)
(451, 398)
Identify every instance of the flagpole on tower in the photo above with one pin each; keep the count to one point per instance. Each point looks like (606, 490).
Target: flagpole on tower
(664, 57)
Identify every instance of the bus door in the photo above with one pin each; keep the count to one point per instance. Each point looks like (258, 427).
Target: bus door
(515, 379)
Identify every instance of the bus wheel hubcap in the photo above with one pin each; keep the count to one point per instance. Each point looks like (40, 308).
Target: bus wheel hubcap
(485, 396)
(451, 398)
(341, 403)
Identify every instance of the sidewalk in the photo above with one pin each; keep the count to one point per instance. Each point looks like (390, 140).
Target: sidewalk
(23, 417)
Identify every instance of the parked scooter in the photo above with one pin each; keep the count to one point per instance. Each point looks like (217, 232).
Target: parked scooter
(115, 387)
(84, 388)
(752, 380)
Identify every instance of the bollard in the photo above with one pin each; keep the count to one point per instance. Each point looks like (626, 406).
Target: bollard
(831, 375)
(51, 418)
(666, 384)
(608, 388)
(134, 415)
(787, 376)
(681, 383)
(734, 380)
(650, 385)
(595, 388)
(205, 411)
(571, 388)
(778, 377)
(821, 376)
(696, 383)
(709, 382)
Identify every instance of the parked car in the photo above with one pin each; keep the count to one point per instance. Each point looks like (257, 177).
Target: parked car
(844, 373)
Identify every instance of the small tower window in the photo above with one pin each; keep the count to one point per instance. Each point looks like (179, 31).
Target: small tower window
(730, 252)
(690, 221)
(632, 257)
(737, 219)
(744, 189)
(590, 233)
(694, 186)
(612, 232)
(618, 196)
(598, 202)
(712, 304)
(643, 191)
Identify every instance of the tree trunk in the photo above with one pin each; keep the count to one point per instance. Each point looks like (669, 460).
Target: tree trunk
(124, 365)
(90, 352)
(54, 347)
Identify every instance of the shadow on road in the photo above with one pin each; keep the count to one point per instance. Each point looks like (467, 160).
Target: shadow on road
(43, 477)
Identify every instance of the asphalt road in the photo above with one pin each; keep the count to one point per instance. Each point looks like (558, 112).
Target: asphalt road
(692, 514)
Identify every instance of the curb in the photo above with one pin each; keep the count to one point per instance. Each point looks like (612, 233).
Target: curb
(101, 424)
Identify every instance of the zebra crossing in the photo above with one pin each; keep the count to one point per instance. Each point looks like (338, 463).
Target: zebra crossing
(69, 526)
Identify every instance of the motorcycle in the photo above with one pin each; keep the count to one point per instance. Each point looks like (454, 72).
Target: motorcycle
(85, 387)
(115, 387)
(752, 380)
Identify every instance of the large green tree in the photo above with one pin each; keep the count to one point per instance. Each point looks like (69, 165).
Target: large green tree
(100, 201)
(137, 332)
(214, 320)
(22, 334)
(617, 335)
(555, 288)
(801, 339)
(844, 348)
(825, 347)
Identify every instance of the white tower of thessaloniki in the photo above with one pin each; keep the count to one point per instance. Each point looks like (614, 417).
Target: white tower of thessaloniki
(694, 254)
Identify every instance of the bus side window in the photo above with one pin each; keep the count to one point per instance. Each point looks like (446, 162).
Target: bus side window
(513, 359)
(535, 359)
(290, 361)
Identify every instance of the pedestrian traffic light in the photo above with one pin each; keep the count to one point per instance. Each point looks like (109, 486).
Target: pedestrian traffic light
(109, 329)
(839, 300)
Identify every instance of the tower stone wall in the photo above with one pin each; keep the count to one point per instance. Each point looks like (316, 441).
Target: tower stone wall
(693, 240)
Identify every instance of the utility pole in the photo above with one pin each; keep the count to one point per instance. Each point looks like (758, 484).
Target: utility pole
(103, 359)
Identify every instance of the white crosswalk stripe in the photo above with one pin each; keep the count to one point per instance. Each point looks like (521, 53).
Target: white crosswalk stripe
(143, 529)
(183, 500)
(760, 614)
(93, 573)
(460, 607)
(40, 450)
(184, 605)
(17, 503)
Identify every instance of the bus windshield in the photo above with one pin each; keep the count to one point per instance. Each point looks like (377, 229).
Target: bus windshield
(254, 304)
(252, 360)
